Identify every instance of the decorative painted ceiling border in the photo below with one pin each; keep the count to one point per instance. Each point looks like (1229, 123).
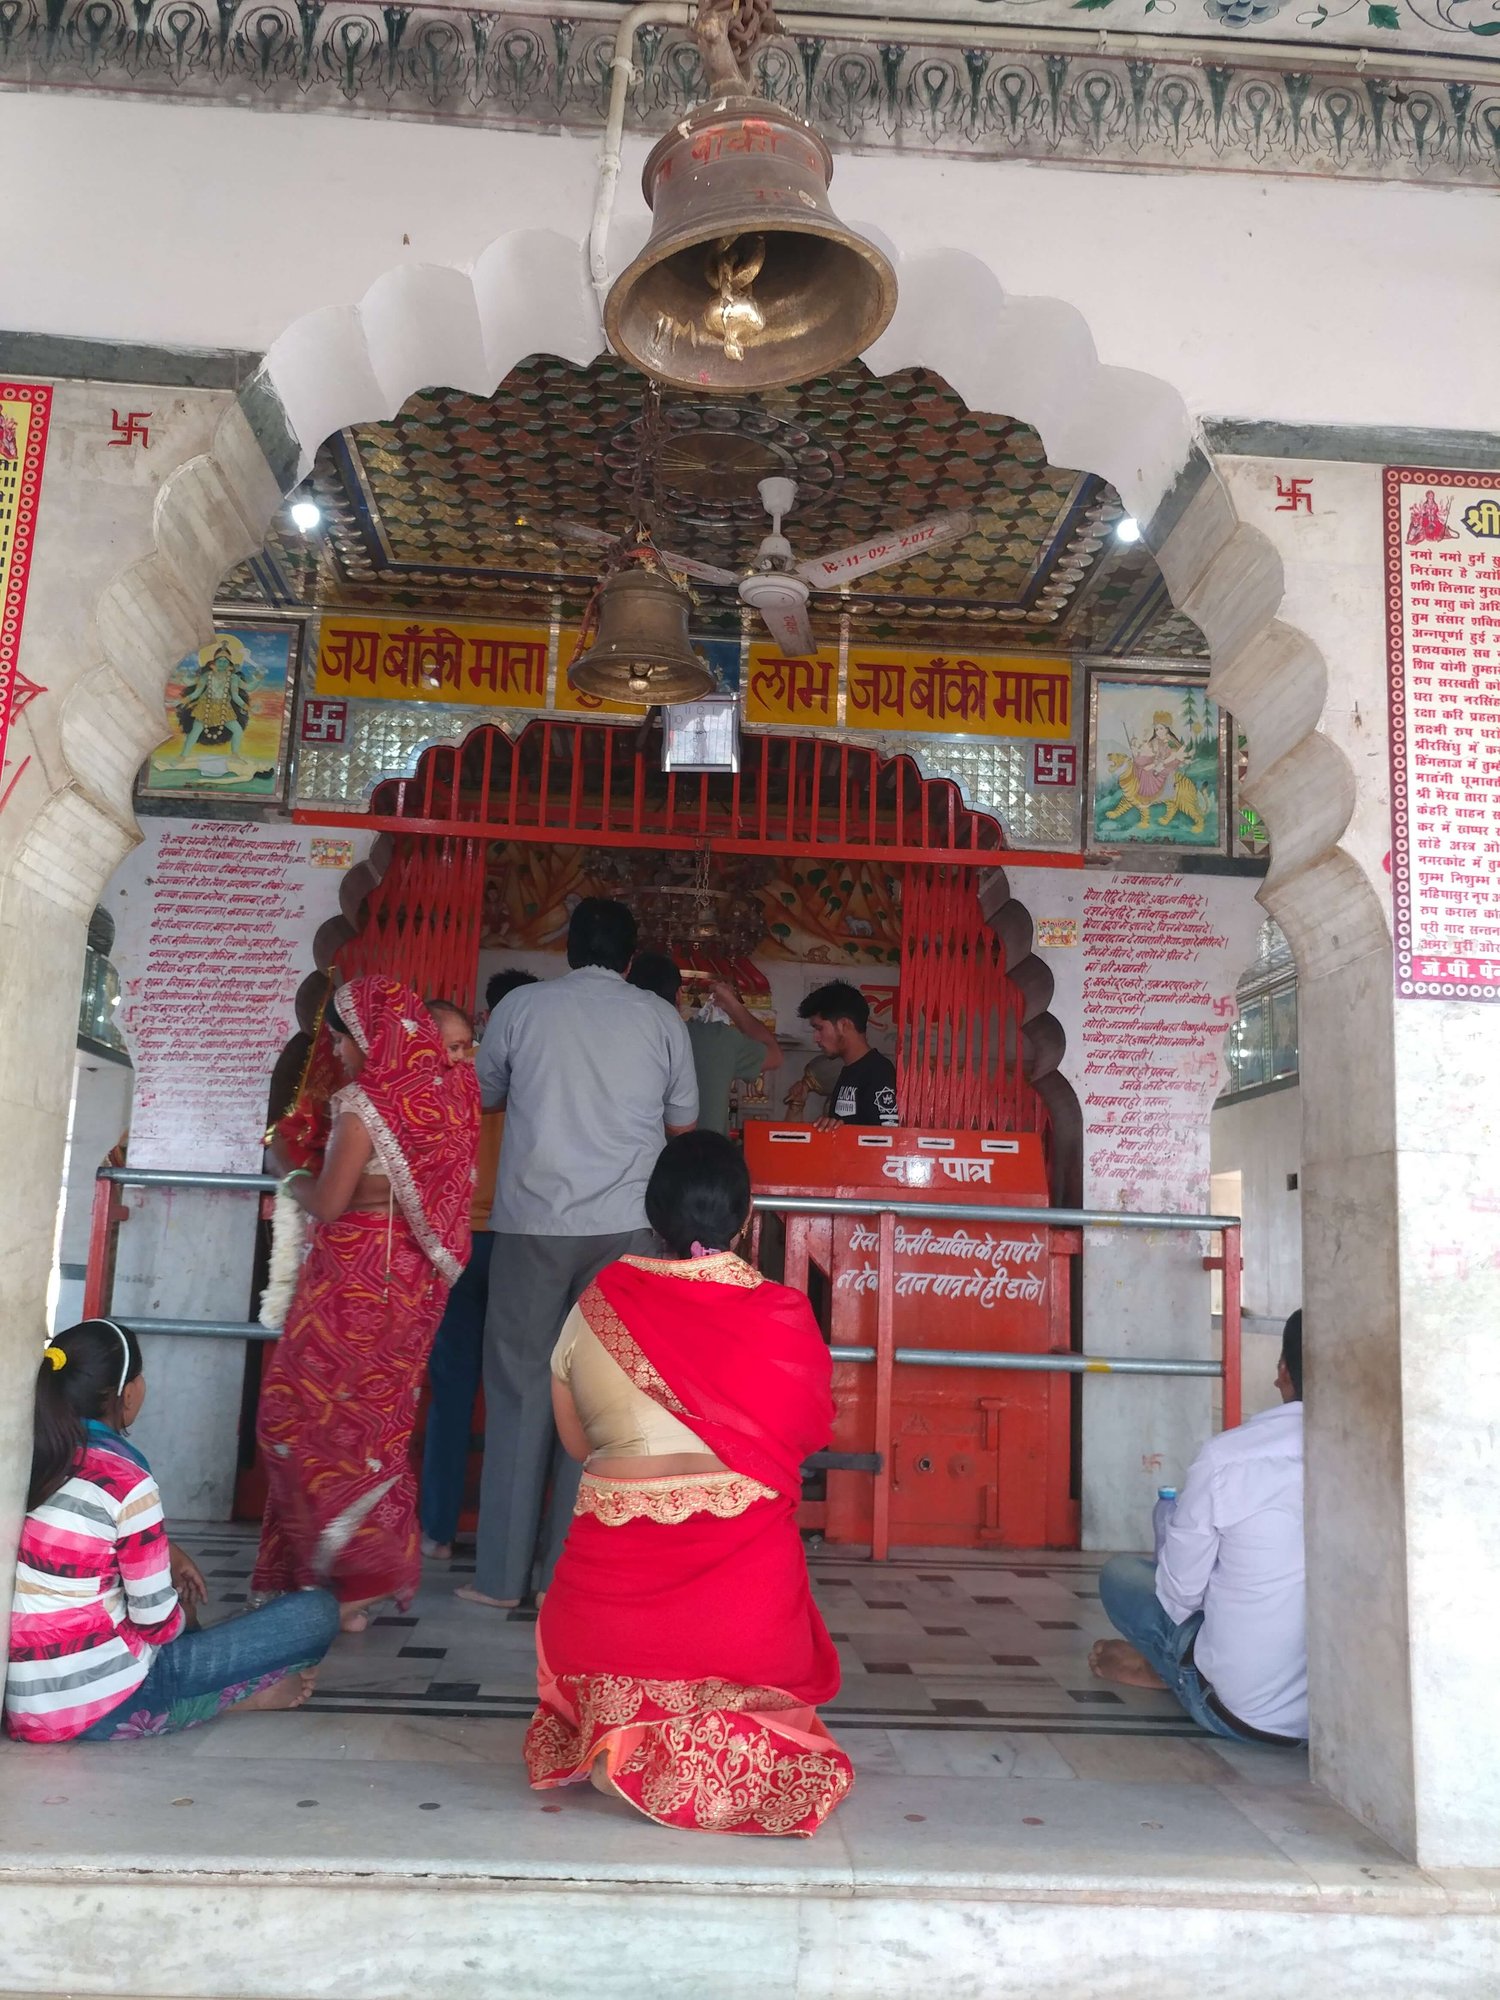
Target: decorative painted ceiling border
(533, 72)
(1353, 444)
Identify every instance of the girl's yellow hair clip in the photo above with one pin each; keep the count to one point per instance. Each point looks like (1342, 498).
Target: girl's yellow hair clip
(56, 1356)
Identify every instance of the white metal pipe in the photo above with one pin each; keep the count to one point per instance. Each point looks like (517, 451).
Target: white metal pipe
(649, 13)
(968, 1211)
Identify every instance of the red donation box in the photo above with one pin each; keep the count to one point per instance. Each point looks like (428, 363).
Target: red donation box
(973, 1457)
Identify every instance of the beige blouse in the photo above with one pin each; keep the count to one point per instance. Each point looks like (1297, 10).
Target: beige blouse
(619, 1420)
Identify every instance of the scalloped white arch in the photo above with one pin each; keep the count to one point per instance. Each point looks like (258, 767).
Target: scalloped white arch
(1030, 358)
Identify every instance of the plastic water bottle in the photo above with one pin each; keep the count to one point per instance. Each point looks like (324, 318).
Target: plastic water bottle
(1161, 1513)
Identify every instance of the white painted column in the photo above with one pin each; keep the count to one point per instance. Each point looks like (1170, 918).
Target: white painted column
(1401, 1261)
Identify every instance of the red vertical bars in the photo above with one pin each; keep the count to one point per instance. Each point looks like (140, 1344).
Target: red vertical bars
(783, 799)
(423, 918)
(1233, 1270)
(99, 1271)
(959, 1015)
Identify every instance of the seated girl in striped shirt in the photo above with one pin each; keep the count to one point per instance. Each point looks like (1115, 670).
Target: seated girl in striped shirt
(98, 1649)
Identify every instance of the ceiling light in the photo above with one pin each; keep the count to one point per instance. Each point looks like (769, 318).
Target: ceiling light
(306, 514)
(1128, 530)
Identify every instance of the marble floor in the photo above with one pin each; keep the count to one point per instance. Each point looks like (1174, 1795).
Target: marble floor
(1015, 1829)
(929, 1645)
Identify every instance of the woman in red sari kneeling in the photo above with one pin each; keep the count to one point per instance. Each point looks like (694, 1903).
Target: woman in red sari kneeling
(339, 1399)
(680, 1656)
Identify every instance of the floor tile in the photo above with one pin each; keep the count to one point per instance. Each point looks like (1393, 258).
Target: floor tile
(950, 1640)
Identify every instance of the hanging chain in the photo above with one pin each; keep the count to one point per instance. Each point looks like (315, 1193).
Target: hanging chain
(728, 34)
(650, 437)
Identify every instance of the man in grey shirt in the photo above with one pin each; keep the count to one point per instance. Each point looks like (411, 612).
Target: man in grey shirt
(594, 1075)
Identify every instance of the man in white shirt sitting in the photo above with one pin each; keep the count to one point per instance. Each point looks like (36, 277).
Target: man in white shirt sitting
(1220, 1621)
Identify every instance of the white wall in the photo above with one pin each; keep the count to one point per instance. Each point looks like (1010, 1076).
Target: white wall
(1260, 1139)
(101, 1112)
(1145, 1292)
(208, 1006)
(1241, 293)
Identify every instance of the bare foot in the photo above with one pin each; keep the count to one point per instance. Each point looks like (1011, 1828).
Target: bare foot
(601, 1781)
(472, 1596)
(291, 1691)
(439, 1551)
(356, 1617)
(1113, 1660)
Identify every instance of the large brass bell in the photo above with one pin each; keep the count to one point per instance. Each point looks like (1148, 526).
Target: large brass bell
(749, 281)
(641, 652)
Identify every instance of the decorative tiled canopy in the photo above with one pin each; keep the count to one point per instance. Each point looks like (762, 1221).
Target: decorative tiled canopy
(454, 506)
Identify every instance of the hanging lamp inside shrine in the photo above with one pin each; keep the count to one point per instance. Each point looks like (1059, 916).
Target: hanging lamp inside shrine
(749, 280)
(636, 647)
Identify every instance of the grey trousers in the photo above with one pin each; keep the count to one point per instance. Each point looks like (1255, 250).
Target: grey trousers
(535, 1281)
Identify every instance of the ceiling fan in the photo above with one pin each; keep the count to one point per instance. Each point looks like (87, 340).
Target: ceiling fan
(778, 586)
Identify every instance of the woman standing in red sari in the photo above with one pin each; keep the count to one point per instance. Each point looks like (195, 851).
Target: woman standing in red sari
(339, 1399)
(680, 1656)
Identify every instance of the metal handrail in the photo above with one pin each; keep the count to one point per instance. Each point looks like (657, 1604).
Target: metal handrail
(165, 1177)
(876, 1203)
(1037, 1364)
(967, 1211)
(216, 1329)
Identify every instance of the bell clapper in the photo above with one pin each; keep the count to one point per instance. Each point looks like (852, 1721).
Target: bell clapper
(735, 318)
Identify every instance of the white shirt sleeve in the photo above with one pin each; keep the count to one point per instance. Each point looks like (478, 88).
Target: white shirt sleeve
(681, 1107)
(1191, 1547)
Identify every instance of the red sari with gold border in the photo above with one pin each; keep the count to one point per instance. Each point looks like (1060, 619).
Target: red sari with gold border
(338, 1402)
(679, 1641)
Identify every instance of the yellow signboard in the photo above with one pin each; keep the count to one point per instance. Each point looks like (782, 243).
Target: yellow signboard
(782, 690)
(896, 689)
(903, 690)
(394, 659)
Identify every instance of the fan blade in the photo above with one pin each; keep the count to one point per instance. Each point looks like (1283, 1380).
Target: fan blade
(828, 572)
(702, 571)
(575, 531)
(791, 628)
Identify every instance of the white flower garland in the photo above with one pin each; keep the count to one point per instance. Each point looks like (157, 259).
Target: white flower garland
(288, 1240)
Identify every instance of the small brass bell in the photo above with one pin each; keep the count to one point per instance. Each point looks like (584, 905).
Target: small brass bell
(749, 280)
(641, 652)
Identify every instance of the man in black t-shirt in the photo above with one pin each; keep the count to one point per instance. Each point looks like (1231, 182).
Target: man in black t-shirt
(865, 1093)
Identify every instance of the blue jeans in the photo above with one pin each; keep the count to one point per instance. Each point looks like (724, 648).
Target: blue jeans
(453, 1376)
(1127, 1591)
(201, 1674)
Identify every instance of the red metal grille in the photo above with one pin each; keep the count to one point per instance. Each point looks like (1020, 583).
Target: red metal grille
(958, 1016)
(594, 783)
(422, 919)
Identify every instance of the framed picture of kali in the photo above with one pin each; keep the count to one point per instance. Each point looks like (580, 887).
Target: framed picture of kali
(228, 717)
(1157, 773)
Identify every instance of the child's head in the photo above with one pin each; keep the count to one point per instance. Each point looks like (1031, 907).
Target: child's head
(92, 1372)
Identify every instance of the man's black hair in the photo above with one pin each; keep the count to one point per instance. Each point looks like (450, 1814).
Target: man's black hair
(602, 932)
(501, 983)
(655, 973)
(699, 1192)
(837, 1001)
(1291, 1350)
